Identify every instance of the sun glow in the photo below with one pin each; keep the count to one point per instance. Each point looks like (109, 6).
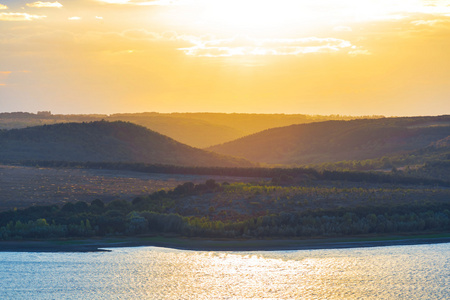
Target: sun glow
(289, 56)
(253, 16)
(296, 16)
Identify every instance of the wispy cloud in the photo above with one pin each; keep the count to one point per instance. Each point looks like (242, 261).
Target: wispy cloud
(40, 4)
(4, 75)
(19, 17)
(359, 52)
(429, 22)
(248, 46)
(114, 1)
(75, 18)
(342, 28)
(141, 2)
(10, 72)
(140, 34)
(3, 6)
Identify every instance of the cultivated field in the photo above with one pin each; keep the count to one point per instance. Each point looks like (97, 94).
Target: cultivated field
(25, 186)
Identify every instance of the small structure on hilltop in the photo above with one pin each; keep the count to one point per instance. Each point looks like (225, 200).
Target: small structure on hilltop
(44, 113)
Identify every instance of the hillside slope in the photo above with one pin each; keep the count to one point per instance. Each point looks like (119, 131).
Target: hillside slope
(332, 141)
(195, 129)
(249, 123)
(186, 130)
(103, 141)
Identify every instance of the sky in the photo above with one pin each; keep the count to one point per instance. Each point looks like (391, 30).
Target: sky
(348, 57)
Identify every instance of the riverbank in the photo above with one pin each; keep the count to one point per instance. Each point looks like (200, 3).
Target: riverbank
(197, 244)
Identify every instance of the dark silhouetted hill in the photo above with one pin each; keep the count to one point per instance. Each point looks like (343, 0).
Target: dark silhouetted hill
(103, 141)
(333, 141)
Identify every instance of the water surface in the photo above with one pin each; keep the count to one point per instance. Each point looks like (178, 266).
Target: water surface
(396, 272)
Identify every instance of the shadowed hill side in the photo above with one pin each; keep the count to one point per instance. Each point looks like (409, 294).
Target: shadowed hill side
(332, 141)
(189, 131)
(198, 130)
(250, 123)
(203, 130)
(103, 141)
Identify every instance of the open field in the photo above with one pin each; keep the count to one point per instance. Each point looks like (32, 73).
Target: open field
(188, 207)
(21, 187)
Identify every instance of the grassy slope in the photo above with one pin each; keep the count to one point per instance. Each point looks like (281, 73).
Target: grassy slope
(338, 140)
(104, 141)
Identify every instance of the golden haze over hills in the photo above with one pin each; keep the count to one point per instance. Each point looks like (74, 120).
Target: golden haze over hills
(195, 129)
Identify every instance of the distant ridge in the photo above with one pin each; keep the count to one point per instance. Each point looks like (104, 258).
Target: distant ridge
(190, 131)
(198, 130)
(332, 141)
(102, 141)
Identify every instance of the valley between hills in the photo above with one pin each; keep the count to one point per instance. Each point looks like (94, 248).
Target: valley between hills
(232, 176)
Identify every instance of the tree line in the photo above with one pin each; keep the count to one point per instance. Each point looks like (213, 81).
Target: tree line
(148, 215)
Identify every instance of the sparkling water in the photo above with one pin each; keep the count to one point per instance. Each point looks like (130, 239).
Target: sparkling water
(396, 272)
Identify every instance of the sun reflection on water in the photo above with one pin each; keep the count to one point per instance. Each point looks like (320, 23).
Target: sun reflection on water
(157, 273)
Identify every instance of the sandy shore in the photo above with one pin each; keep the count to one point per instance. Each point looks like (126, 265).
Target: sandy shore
(94, 245)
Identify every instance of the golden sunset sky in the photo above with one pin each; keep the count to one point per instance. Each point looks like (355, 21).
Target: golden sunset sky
(352, 57)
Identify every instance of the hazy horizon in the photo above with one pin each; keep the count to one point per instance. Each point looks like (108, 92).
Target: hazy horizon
(215, 112)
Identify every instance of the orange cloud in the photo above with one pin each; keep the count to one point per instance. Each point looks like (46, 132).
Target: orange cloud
(140, 3)
(4, 75)
(248, 46)
(429, 22)
(3, 6)
(40, 4)
(342, 28)
(19, 17)
(359, 52)
(140, 34)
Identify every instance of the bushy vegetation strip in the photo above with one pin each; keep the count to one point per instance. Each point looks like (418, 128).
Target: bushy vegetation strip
(157, 213)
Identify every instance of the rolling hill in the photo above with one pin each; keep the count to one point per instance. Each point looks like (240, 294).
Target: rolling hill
(190, 131)
(198, 130)
(102, 141)
(203, 130)
(333, 141)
